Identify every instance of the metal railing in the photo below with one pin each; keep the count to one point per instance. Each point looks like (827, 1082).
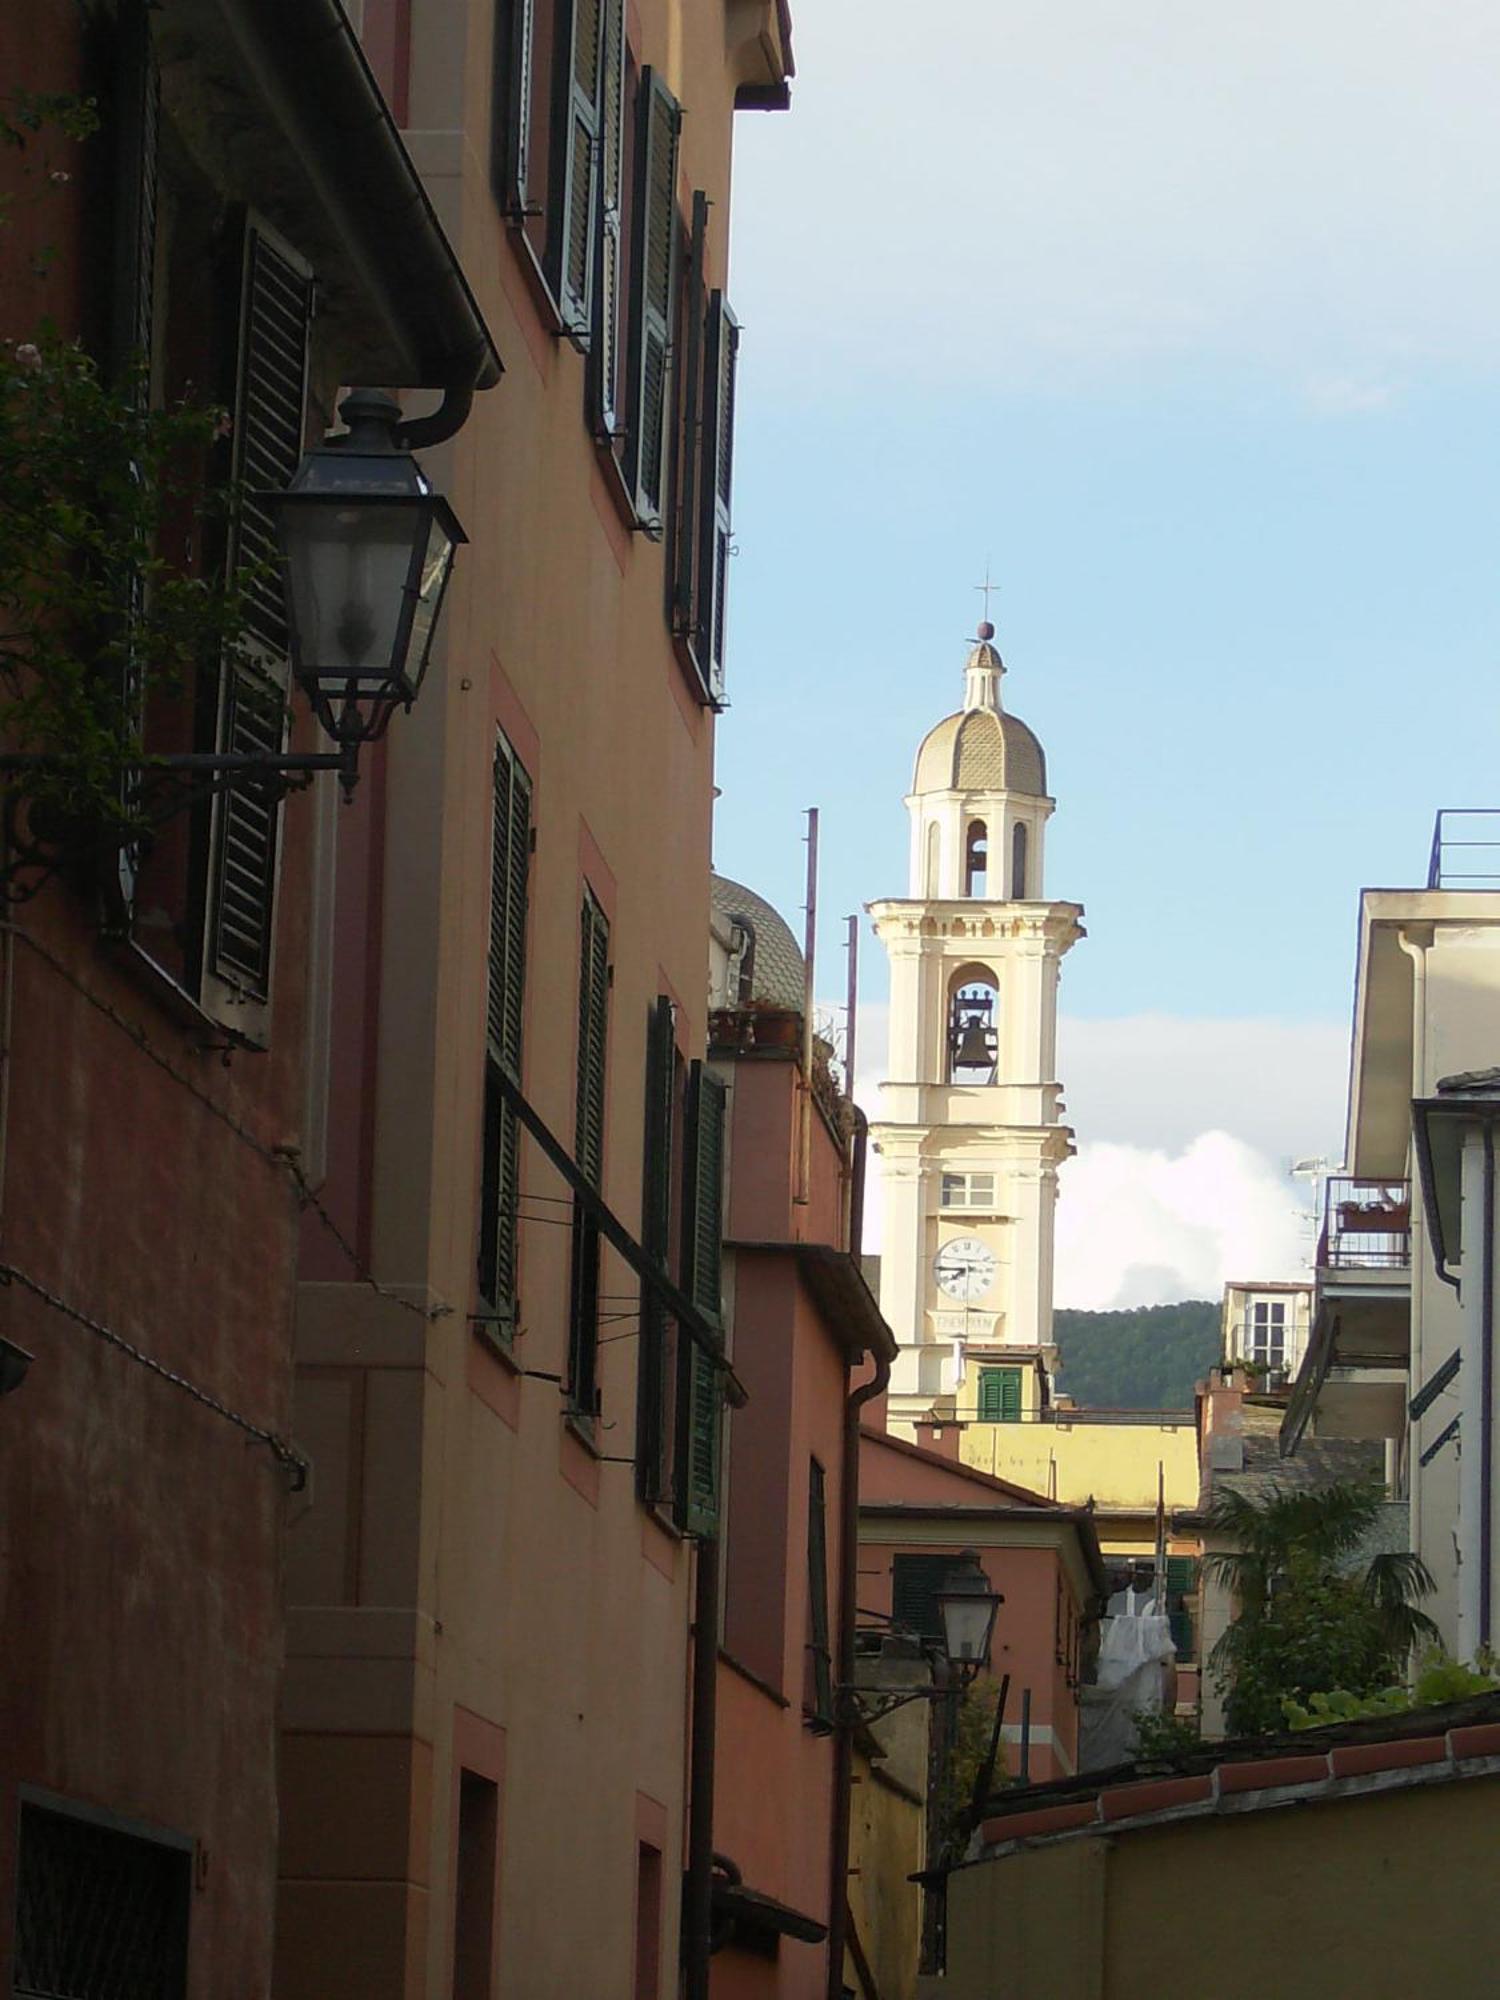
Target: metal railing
(1465, 849)
(1366, 1225)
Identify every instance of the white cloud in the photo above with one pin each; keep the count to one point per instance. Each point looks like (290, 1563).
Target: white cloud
(1008, 192)
(1347, 396)
(1185, 1131)
(1142, 1227)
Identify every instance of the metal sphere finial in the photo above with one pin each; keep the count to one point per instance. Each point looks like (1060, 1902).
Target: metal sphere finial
(986, 629)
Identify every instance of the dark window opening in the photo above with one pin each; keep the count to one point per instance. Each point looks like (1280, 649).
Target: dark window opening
(100, 1913)
(1018, 861)
(647, 1981)
(500, 1189)
(588, 1151)
(474, 1887)
(817, 1690)
(976, 859)
(973, 1042)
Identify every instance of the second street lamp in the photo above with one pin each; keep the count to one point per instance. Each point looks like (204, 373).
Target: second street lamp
(969, 1608)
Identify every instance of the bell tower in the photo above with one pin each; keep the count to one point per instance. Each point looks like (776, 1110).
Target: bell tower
(970, 1132)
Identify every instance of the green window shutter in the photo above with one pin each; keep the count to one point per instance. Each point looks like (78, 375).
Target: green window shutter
(656, 1234)
(721, 360)
(269, 408)
(818, 1690)
(915, 1584)
(1000, 1395)
(604, 349)
(573, 205)
(510, 859)
(701, 1421)
(593, 1031)
(515, 40)
(653, 284)
(684, 559)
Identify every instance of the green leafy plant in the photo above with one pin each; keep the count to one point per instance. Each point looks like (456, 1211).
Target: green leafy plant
(971, 1746)
(1311, 1616)
(1158, 1734)
(1439, 1679)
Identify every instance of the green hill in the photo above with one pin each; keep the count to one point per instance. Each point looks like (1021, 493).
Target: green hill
(1146, 1358)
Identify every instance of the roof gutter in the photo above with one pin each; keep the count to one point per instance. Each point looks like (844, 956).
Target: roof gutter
(310, 70)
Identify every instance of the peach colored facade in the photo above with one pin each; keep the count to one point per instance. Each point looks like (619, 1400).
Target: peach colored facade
(484, 1725)
(798, 1353)
(1043, 1559)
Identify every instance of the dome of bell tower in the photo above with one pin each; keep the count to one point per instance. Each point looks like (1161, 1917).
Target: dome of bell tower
(980, 748)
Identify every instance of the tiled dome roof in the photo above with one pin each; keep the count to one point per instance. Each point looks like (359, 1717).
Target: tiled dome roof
(981, 750)
(776, 972)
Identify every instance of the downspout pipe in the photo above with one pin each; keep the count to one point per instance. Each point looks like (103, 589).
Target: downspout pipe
(698, 1887)
(1487, 1389)
(843, 1733)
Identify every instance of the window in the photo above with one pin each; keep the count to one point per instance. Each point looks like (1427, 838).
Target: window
(969, 1191)
(647, 1981)
(817, 1693)
(510, 861)
(661, 1220)
(198, 897)
(609, 275)
(915, 1584)
(976, 858)
(653, 266)
(973, 1045)
(1182, 1595)
(1265, 1340)
(474, 1887)
(588, 1151)
(1000, 1395)
(100, 1911)
(700, 1393)
(1018, 861)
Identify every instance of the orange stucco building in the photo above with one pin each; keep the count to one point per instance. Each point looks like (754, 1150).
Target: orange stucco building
(485, 1745)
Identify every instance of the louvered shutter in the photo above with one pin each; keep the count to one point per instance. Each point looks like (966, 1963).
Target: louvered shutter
(819, 1683)
(688, 444)
(721, 357)
(915, 1584)
(573, 204)
(701, 1420)
(269, 403)
(1000, 1396)
(593, 1025)
(604, 350)
(515, 39)
(656, 1232)
(653, 276)
(510, 856)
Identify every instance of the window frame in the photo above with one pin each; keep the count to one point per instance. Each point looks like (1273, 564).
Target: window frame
(513, 796)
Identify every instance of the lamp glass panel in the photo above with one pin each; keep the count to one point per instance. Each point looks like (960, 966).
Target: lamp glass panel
(347, 565)
(431, 582)
(967, 1616)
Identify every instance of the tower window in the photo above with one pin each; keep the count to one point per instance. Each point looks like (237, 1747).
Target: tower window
(1018, 860)
(976, 859)
(973, 1045)
(1000, 1395)
(934, 858)
(969, 1191)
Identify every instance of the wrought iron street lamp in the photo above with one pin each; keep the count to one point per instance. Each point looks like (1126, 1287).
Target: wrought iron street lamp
(367, 549)
(969, 1608)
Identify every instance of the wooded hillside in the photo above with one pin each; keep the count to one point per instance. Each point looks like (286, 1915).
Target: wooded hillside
(1144, 1358)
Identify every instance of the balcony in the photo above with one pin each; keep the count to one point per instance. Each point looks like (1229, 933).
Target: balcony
(1366, 1226)
(1465, 850)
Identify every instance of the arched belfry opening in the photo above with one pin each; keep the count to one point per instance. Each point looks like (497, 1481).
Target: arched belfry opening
(973, 1027)
(976, 858)
(1019, 887)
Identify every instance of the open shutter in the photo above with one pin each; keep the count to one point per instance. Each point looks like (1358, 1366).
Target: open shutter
(269, 402)
(652, 266)
(819, 1681)
(702, 1414)
(593, 1026)
(515, 39)
(573, 205)
(604, 350)
(689, 447)
(656, 1236)
(720, 360)
(510, 855)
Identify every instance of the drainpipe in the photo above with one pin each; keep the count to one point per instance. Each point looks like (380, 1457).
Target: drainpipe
(1487, 1386)
(1417, 953)
(698, 1889)
(843, 1732)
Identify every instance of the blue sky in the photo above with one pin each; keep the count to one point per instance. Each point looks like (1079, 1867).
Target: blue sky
(1186, 319)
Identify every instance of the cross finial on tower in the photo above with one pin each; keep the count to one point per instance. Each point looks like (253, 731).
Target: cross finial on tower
(986, 630)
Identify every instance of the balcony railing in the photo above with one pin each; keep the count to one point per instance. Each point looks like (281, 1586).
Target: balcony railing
(1366, 1225)
(1465, 849)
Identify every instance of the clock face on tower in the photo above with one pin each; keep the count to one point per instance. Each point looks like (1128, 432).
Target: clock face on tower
(964, 1267)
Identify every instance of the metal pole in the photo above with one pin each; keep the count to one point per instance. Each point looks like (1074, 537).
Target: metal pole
(1487, 1389)
(809, 953)
(1025, 1753)
(851, 1004)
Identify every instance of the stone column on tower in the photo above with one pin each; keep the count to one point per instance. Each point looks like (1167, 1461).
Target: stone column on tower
(971, 1131)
